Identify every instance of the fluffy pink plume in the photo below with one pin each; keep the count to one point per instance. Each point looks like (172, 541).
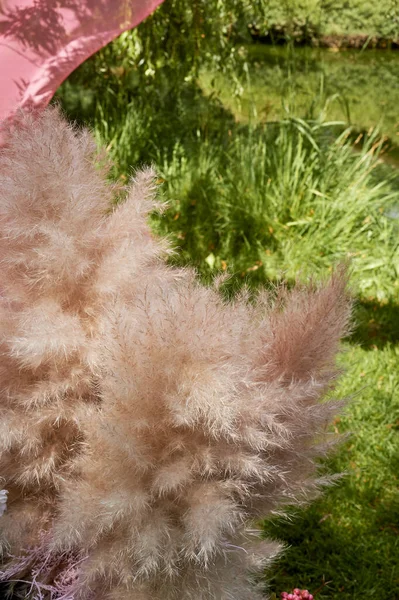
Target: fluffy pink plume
(145, 422)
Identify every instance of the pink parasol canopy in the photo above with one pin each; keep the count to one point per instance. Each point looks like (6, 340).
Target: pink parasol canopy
(43, 41)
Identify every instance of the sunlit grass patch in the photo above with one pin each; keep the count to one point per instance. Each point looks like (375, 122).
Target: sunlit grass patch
(346, 544)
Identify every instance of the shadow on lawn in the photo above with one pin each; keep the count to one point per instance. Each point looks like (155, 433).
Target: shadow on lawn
(375, 324)
(357, 557)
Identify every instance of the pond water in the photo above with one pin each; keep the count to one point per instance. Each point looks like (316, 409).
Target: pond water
(358, 87)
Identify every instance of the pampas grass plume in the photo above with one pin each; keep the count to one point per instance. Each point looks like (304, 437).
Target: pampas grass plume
(145, 422)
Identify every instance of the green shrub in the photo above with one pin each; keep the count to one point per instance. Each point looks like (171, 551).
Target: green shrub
(300, 20)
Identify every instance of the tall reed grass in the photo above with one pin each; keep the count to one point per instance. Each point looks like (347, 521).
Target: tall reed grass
(288, 199)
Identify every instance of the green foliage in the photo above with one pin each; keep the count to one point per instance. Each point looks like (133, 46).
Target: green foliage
(143, 86)
(298, 19)
(155, 62)
(284, 200)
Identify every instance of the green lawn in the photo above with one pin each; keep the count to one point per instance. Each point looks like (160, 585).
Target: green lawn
(346, 545)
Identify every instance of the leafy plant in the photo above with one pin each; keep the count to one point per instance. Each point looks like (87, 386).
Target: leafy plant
(144, 87)
(287, 199)
(306, 20)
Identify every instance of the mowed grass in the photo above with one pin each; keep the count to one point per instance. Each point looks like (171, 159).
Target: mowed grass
(266, 203)
(346, 544)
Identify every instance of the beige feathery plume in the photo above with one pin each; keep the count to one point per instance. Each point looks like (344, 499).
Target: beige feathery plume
(145, 422)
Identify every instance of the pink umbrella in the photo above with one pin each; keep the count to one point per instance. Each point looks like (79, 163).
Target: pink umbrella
(43, 41)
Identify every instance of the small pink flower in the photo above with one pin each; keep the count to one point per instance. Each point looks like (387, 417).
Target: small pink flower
(297, 594)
